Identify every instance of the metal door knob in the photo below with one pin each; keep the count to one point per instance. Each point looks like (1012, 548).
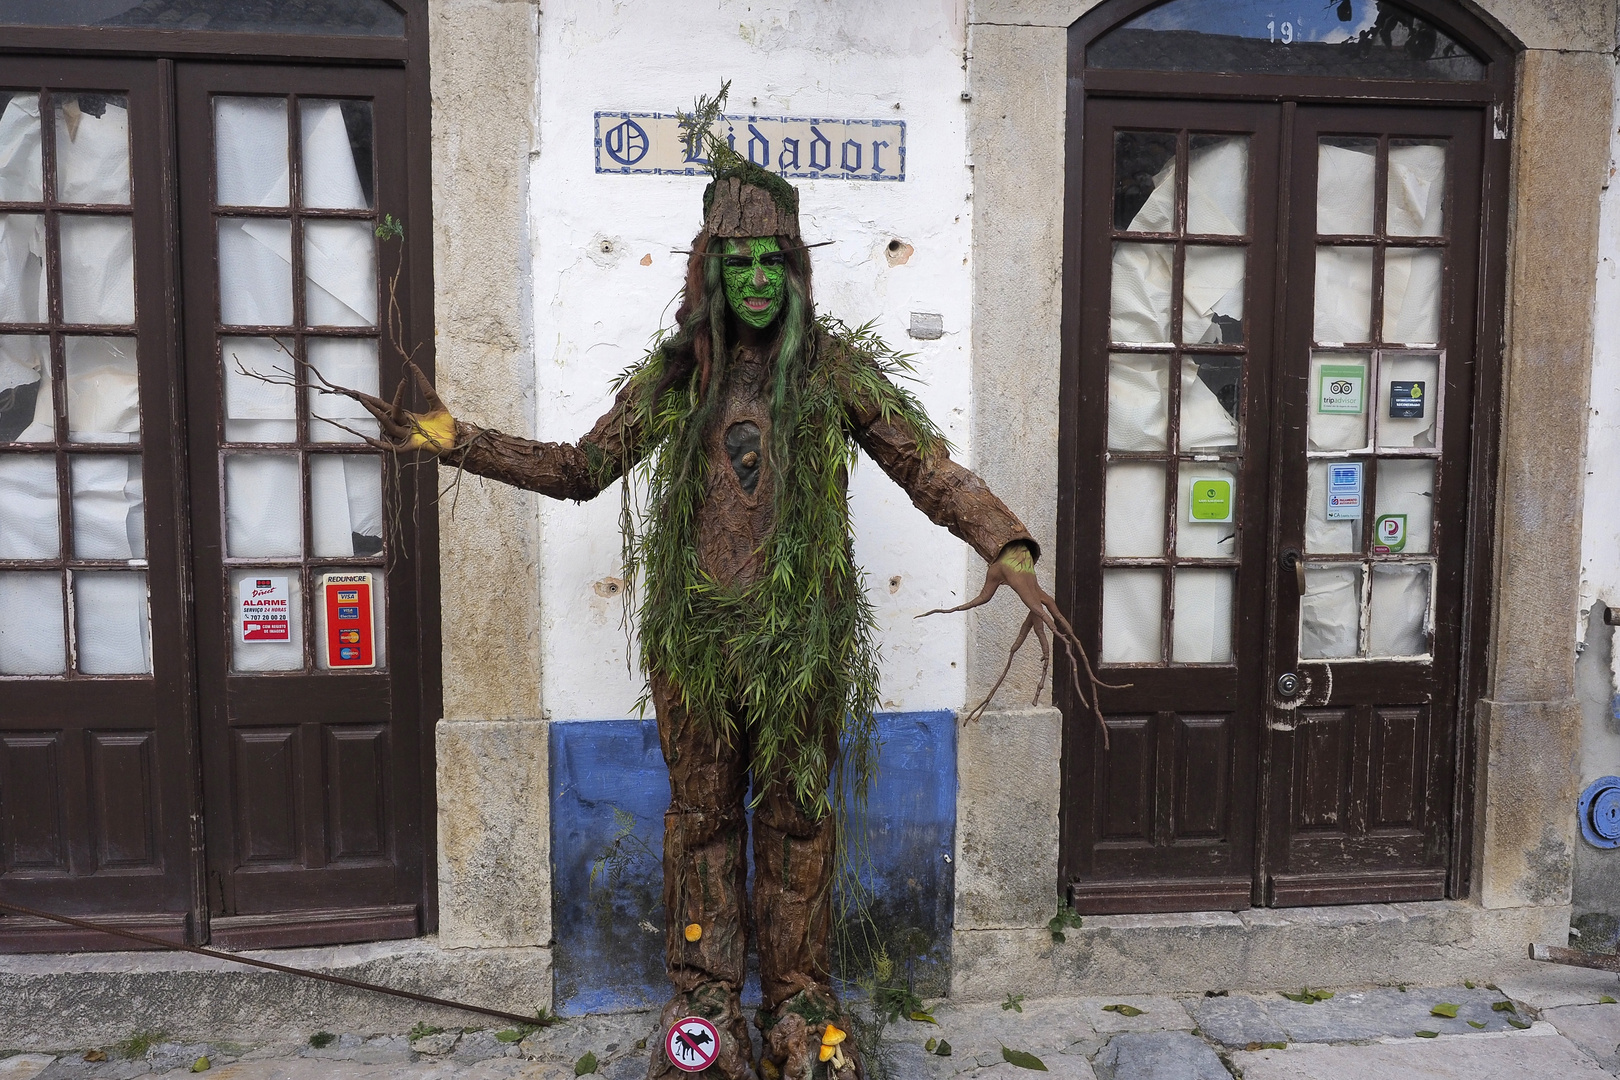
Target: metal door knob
(1287, 684)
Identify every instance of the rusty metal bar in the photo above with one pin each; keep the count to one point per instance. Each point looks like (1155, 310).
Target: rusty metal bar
(1557, 954)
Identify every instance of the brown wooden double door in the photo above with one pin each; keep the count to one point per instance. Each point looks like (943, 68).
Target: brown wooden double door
(1271, 432)
(210, 696)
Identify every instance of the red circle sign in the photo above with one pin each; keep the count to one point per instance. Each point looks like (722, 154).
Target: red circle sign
(692, 1044)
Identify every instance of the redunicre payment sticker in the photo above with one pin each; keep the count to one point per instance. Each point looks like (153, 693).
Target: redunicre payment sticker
(350, 636)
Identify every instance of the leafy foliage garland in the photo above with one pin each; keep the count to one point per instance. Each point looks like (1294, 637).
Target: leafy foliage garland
(788, 662)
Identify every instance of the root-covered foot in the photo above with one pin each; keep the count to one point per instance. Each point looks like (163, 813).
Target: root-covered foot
(722, 1007)
(807, 1038)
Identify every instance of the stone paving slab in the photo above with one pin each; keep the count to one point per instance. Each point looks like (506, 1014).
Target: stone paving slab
(1237, 1021)
(1159, 1055)
(1158, 1014)
(1371, 1014)
(1593, 1028)
(1519, 1056)
(24, 1066)
(1549, 986)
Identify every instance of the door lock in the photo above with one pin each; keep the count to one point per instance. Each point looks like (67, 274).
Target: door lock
(1287, 684)
(1291, 561)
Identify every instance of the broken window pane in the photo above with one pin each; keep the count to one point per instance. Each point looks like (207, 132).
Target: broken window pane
(1206, 511)
(109, 506)
(1344, 186)
(1343, 294)
(1412, 295)
(29, 526)
(1138, 401)
(336, 154)
(1145, 181)
(263, 516)
(1406, 498)
(1218, 184)
(250, 151)
(1417, 188)
(1400, 610)
(1409, 400)
(1211, 393)
(255, 272)
(350, 362)
(112, 632)
(1134, 522)
(1212, 295)
(273, 644)
(1201, 632)
(103, 390)
(345, 504)
(1339, 392)
(257, 410)
(1133, 620)
(98, 269)
(1139, 292)
(20, 173)
(92, 149)
(32, 636)
(1330, 612)
(26, 406)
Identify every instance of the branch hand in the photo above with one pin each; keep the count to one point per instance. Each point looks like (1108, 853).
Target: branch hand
(403, 430)
(1015, 568)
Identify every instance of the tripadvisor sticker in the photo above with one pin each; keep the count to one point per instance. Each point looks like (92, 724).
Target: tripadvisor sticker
(1389, 534)
(1211, 499)
(1341, 388)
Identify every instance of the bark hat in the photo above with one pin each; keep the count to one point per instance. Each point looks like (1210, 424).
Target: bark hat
(746, 200)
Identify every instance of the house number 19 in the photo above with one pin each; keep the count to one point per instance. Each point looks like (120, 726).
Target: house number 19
(1286, 29)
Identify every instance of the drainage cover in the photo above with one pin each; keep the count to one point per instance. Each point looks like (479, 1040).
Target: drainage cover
(1599, 812)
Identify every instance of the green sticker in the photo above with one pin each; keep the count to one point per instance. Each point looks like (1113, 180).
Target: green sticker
(1211, 499)
(1389, 533)
(1341, 388)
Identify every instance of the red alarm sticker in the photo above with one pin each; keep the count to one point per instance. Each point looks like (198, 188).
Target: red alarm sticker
(350, 640)
(692, 1044)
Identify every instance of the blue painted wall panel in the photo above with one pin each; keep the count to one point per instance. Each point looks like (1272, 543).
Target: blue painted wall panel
(609, 792)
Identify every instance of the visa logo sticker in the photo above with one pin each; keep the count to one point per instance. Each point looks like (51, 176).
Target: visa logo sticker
(349, 595)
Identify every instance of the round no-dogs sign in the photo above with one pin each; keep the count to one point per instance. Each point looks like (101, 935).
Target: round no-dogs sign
(692, 1044)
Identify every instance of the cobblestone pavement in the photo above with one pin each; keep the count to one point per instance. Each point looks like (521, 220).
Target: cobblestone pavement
(1551, 1025)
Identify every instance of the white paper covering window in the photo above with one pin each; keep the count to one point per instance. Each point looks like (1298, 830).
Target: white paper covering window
(379, 625)
(263, 516)
(112, 626)
(103, 390)
(1345, 170)
(1407, 432)
(98, 269)
(33, 640)
(257, 410)
(22, 268)
(331, 180)
(1406, 487)
(20, 173)
(29, 524)
(1134, 521)
(26, 396)
(250, 151)
(1138, 401)
(1343, 294)
(350, 362)
(345, 498)
(1132, 628)
(267, 655)
(255, 272)
(1204, 539)
(1399, 622)
(109, 508)
(1139, 292)
(92, 150)
(1323, 536)
(340, 270)
(1206, 425)
(1412, 295)
(1201, 631)
(1330, 613)
(1217, 184)
(1338, 430)
(1417, 188)
(1212, 294)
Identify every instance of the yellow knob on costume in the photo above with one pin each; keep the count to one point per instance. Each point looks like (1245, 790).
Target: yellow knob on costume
(693, 931)
(435, 431)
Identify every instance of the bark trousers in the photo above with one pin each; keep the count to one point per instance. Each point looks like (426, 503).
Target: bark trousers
(706, 868)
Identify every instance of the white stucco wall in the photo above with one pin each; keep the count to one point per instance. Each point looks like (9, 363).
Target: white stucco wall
(596, 304)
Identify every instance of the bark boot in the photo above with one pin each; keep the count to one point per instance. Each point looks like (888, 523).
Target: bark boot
(721, 1006)
(796, 1032)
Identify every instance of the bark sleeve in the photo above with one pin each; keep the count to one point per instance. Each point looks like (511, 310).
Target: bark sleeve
(948, 493)
(576, 471)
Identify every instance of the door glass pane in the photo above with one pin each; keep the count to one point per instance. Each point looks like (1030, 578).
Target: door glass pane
(340, 269)
(1206, 510)
(1344, 186)
(1371, 39)
(22, 268)
(371, 18)
(1330, 613)
(1201, 632)
(1399, 623)
(20, 173)
(350, 362)
(29, 525)
(345, 504)
(1417, 187)
(112, 632)
(1409, 400)
(324, 644)
(1343, 294)
(103, 390)
(1339, 398)
(1212, 295)
(26, 407)
(1325, 535)
(33, 640)
(250, 151)
(336, 154)
(1134, 523)
(255, 272)
(263, 517)
(1138, 401)
(1139, 294)
(1145, 181)
(1404, 518)
(98, 269)
(256, 410)
(1412, 295)
(109, 506)
(92, 149)
(1211, 389)
(1218, 184)
(267, 620)
(1133, 621)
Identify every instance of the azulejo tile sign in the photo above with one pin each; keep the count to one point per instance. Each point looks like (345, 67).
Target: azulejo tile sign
(799, 147)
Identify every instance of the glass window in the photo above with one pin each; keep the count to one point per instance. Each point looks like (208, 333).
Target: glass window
(371, 18)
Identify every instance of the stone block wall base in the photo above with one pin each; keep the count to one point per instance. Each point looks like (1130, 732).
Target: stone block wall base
(89, 999)
(1260, 949)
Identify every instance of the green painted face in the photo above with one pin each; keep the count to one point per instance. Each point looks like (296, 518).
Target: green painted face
(756, 279)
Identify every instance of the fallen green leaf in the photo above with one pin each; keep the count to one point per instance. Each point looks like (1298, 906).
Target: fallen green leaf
(1274, 1046)
(1427, 1034)
(1469, 983)
(1607, 1000)
(1123, 1010)
(585, 1065)
(1022, 1060)
(202, 1064)
(1493, 986)
(1014, 1003)
(944, 1049)
(1503, 1006)
(931, 1045)
(322, 1039)
(510, 1035)
(1307, 996)
(1476, 1023)
(1516, 1022)
(923, 1018)
(1446, 1009)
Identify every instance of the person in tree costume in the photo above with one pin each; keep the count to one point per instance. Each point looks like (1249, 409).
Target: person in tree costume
(755, 634)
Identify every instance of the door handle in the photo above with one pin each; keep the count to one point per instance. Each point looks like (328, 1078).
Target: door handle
(1291, 561)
